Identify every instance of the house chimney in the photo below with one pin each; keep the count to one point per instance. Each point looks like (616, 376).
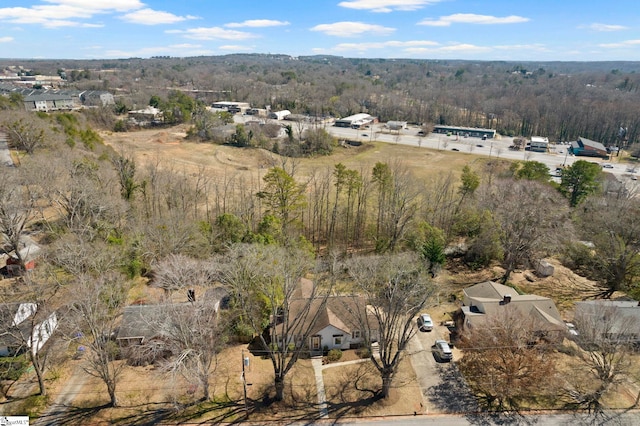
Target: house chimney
(506, 299)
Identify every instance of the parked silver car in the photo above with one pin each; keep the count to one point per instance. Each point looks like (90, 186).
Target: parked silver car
(425, 323)
(442, 351)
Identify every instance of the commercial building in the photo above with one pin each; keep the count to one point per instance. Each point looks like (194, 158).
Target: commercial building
(538, 144)
(232, 107)
(356, 121)
(588, 148)
(279, 115)
(475, 132)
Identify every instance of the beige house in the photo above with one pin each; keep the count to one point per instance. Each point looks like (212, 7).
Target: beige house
(335, 324)
(487, 299)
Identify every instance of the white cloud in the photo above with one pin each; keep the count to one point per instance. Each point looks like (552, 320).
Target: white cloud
(6, 39)
(235, 48)
(65, 13)
(102, 5)
(464, 47)
(472, 18)
(154, 17)
(257, 23)
(213, 33)
(350, 29)
(520, 47)
(385, 6)
(604, 27)
(178, 50)
(626, 43)
(383, 44)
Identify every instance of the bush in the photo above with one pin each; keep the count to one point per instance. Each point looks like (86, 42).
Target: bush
(364, 353)
(334, 355)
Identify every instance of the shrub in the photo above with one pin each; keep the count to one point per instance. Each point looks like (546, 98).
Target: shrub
(334, 355)
(364, 353)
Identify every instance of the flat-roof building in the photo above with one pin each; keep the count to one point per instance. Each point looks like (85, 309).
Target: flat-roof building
(538, 144)
(232, 107)
(356, 121)
(476, 132)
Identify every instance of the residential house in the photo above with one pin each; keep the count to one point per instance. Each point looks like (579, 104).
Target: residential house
(19, 329)
(142, 323)
(335, 323)
(485, 300)
(98, 98)
(618, 319)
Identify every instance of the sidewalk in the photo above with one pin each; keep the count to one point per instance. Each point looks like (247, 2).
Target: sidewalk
(318, 368)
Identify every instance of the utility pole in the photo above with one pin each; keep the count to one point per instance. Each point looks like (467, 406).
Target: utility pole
(244, 385)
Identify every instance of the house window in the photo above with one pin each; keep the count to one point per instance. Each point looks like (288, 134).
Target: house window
(337, 340)
(356, 334)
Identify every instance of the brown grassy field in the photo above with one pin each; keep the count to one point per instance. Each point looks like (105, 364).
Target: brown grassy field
(170, 148)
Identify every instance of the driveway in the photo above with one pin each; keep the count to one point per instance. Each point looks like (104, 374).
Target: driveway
(443, 387)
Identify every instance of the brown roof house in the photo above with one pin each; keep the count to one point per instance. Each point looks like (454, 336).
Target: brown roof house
(340, 322)
(487, 299)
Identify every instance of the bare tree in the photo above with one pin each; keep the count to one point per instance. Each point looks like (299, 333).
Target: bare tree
(505, 361)
(610, 223)
(606, 336)
(397, 203)
(17, 208)
(25, 135)
(530, 219)
(395, 288)
(194, 335)
(95, 313)
(266, 285)
(177, 271)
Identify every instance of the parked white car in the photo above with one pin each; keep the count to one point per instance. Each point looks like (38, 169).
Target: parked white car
(425, 323)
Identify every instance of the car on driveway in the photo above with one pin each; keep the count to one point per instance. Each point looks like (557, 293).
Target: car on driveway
(425, 323)
(607, 166)
(442, 351)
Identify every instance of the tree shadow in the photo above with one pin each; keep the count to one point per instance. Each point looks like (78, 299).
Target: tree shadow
(69, 415)
(452, 394)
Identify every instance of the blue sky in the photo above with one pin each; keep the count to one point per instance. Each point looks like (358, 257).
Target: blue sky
(536, 30)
